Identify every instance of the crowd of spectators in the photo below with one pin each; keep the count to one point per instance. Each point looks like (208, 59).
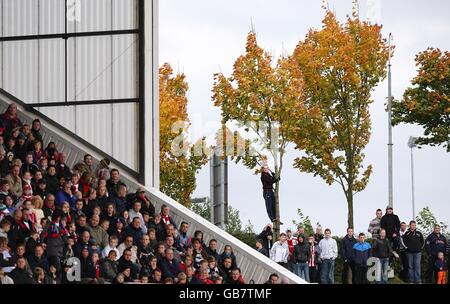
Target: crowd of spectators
(312, 257)
(52, 215)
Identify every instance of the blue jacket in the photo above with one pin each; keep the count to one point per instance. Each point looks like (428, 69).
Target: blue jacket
(62, 196)
(347, 247)
(170, 270)
(361, 253)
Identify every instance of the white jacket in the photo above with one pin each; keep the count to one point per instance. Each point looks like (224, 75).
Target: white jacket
(279, 252)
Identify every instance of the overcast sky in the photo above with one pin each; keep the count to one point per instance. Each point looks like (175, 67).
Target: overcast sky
(202, 37)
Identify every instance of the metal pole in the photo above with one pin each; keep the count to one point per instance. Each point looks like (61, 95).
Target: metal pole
(412, 184)
(390, 144)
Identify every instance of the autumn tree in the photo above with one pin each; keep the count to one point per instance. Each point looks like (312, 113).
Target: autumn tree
(262, 99)
(427, 102)
(178, 162)
(341, 64)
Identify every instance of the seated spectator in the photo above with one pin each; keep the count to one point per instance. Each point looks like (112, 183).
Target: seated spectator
(211, 250)
(165, 216)
(170, 243)
(20, 274)
(38, 259)
(36, 206)
(65, 195)
(97, 232)
(204, 277)
(37, 152)
(109, 267)
(9, 119)
(83, 242)
(135, 212)
(273, 279)
(213, 270)
(190, 276)
(51, 152)
(159, 228)
(62, 170)
(128, 244)
(199, 254)
(125, 261)
(156, 277)
(15, 181)
(103, 170)
(36, 130)
(145, 251)
(236, 277)
(29, 165)
(228, 252)
(51, 179)
(4, 278)
(119, 199)
(113, 183)
(135, 230)
(112, 246)
(21, 147)
(41, 189)
(226, 268)
(169, 265)
(55, 237)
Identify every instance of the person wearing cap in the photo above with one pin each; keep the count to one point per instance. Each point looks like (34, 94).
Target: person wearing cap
(268, 179)
(391, 223)
(146, 204)
(41, 189)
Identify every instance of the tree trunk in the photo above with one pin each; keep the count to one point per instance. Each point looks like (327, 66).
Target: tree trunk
(349, 196)
(277, 226)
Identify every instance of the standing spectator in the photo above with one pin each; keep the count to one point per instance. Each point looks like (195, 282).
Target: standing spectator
(440, 268)
(434, 244)
(37, 152)
(374, 225)
(300, 258)
(62, 170)
(382, 250)
(146, 205)
(260, 248)
(236, 277)
(103, 169)
(166, 219)
(51, 152)
(403, 275)
(414, 242)
(55, 237)
(38, 259)
(391, 223)
(135, 230)
(29, 165)
(314, 259)
(318, 236)
(328, 254)
(109, 267)
(280, 251)
(361, 253)
(292, 241)
(268, 178)
(347, 244)
(267, 237)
